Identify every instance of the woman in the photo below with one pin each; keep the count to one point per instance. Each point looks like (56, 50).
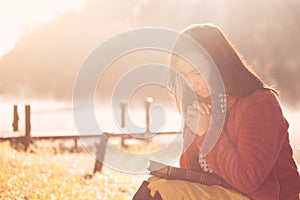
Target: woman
(252, 154)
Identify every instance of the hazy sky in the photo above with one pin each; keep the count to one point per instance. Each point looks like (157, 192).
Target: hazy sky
(47, 41)
(18, 17)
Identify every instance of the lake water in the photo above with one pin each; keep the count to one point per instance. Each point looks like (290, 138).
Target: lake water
(58, 119)
(53, 118)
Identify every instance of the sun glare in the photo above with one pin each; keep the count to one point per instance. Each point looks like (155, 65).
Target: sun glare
(19, 17)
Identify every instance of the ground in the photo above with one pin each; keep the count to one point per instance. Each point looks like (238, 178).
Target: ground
(44, 175)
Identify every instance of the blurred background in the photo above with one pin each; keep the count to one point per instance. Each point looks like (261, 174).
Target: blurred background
(44, 43)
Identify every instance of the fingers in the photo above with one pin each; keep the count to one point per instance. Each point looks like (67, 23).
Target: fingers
(192, 111)
(198, 116)
(203, 108)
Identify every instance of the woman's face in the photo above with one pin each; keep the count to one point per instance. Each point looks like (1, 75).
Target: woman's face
(193, 77)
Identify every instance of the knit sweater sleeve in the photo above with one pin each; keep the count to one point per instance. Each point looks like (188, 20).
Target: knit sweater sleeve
(246, 164)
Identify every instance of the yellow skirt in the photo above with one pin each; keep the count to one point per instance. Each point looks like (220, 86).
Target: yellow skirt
(180, 190)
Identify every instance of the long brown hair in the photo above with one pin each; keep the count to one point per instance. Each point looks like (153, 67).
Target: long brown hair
(238, 77)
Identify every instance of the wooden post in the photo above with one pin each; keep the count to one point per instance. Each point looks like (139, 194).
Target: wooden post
(147, 106)
(100, 153)
(147, 110)
(76, 146)
(27, 138)
(123, 123)
(15, 123)
(123, 113)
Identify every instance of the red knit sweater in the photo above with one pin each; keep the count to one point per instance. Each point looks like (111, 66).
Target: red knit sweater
(253, 153)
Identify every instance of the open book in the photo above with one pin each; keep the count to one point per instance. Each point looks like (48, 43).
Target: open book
(174, 173)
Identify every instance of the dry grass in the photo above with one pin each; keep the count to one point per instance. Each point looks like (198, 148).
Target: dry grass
(43, 175)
